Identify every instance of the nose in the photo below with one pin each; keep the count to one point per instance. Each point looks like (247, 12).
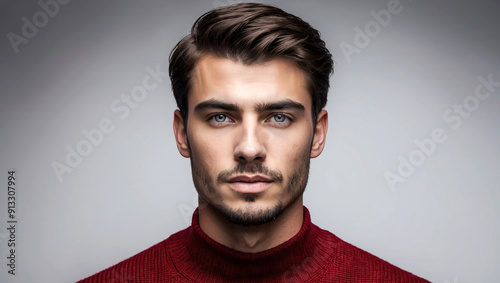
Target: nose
(250, 145)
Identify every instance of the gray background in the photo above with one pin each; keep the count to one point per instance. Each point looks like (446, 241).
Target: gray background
(134, 189)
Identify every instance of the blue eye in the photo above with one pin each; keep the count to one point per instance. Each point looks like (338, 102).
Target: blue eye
(219, 118)
(280, 118)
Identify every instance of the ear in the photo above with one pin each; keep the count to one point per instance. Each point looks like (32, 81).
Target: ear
(180, 134)
(319, 134)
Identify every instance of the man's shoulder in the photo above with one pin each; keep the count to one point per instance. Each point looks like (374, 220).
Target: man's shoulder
(347, 259)
(151, 264)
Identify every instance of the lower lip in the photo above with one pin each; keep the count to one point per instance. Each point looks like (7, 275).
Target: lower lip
(250, 188)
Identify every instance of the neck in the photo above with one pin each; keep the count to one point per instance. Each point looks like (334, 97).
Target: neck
(251, 239)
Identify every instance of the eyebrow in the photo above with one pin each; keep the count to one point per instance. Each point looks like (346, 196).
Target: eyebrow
(280, 105)
(261, 107)
(216, 104)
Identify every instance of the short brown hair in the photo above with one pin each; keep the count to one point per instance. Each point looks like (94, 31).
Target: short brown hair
(252, 33)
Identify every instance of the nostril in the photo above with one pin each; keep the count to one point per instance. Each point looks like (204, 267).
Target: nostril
(256, 158)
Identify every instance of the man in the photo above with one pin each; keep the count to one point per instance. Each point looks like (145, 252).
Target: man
(251, 82)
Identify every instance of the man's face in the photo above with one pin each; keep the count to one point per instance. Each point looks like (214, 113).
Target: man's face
(250, 137)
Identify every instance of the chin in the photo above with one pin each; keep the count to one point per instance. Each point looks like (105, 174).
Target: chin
(250, 213)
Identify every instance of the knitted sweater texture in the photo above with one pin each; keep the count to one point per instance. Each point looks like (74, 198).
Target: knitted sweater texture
(313, 255)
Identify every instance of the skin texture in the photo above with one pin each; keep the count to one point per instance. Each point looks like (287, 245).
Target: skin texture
(250, 137)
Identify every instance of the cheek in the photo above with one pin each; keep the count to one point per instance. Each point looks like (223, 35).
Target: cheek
(212, 151)
(291, 153)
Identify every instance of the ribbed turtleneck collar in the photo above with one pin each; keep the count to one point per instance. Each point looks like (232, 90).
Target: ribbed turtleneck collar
(202, 259)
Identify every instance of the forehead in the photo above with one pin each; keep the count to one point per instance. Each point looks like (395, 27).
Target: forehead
(235, 82)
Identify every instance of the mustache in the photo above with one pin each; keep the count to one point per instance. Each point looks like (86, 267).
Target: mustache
(250, 168)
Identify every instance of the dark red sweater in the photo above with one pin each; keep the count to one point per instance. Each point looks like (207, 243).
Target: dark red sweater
(313, 255)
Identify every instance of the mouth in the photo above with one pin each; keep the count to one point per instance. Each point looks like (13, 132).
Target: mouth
(250, 184)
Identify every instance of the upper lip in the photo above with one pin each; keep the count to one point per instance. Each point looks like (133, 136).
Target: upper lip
(249, 179)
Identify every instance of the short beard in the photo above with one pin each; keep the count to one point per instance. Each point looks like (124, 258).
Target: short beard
(207, 190)
(243, 218)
